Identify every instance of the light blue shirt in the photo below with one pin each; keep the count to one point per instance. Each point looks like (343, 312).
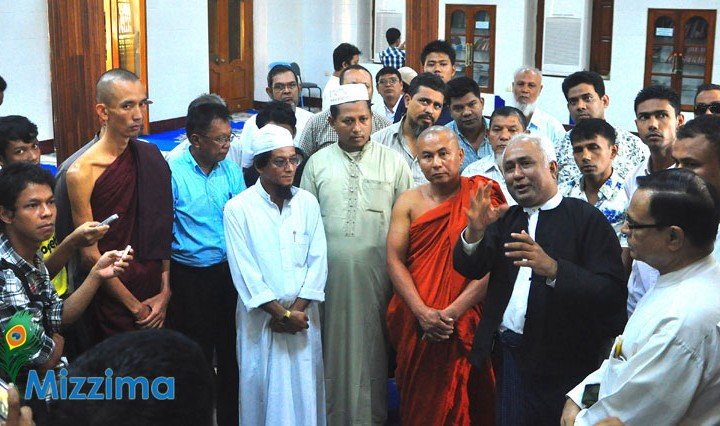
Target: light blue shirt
(199, 200)
(471, 155)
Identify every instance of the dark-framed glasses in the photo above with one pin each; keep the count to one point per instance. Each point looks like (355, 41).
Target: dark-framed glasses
(281, 162)
(714, 108)
(631, 224)
(279, 87)
(220, 140)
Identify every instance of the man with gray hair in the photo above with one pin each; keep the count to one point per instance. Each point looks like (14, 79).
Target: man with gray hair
(526, 88)
(551, 303)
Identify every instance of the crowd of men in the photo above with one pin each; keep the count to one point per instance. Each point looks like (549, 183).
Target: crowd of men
(503, 270)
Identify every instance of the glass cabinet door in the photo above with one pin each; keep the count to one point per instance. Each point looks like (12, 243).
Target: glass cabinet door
(458, 39)
(694, 55)
(481, 49)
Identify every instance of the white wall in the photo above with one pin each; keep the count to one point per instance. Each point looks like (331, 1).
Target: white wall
(177, 44)
(25, 62)
(306, 32)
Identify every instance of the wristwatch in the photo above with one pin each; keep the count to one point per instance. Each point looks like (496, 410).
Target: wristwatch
(286, 316)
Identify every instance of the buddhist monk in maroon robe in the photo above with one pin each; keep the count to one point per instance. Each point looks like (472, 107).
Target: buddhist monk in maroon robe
(120, 175)
(433, 315)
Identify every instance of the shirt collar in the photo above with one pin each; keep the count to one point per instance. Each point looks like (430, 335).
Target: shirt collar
(550, 204)
(265, 196)
(12, 256)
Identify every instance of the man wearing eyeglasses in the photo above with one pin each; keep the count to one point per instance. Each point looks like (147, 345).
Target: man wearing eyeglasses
(121, 175)
(282, 86)
(390, 87)
(586, 98)
(278, 258)
(707, 99)
(664, 369)
(203, 296)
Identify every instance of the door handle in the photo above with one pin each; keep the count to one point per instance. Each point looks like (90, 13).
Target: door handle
(468, 54)
(219, 60)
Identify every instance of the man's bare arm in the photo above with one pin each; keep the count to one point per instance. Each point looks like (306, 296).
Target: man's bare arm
(80, 184)
(158, 303)
(86, 234)
(398, 241)
(473, 294)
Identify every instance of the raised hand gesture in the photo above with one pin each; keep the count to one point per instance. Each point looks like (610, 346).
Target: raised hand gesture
(482, 213)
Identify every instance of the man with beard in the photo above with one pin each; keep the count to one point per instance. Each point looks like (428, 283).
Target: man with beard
(278, 258)
(657, 117)
(526, 89)
(120, 175)
(356, 182)
(424, 102)
(505, 122)
(203, 297)
(319, 133)
(466, 106)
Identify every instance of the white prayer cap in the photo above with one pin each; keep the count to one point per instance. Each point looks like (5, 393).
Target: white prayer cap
(407, 74)
(269, 138)
(348, 93)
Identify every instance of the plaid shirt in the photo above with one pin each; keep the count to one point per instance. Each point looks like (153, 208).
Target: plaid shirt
(393, 57)
(13, 297)
(318, 133)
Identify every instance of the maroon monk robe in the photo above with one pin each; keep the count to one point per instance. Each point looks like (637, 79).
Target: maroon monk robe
(143, 201)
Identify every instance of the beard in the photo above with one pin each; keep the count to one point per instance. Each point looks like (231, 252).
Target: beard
(417, 127)
(285, 192)
(527, 109)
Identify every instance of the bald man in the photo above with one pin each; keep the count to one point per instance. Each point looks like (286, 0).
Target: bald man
(119, 175)
(434, 312)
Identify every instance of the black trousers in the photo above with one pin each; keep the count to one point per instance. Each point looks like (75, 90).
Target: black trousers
(202, 306)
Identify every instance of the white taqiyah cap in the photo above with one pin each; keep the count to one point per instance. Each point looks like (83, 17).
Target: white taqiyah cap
(348, 93)
(407, 74)
(269, 138)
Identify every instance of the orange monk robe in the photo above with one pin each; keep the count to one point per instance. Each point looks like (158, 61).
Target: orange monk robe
(437, 384)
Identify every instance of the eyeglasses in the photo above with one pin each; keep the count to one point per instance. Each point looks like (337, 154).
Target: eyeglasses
(279, 87)
(630, 224)
(713, 107)
(221, 140)
(388, 82)
(281, 162)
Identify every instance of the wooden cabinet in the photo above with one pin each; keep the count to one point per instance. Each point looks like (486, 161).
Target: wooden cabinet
(471, 30)
(679, 50)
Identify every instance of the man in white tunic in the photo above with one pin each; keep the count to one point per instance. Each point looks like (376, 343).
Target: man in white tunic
(356, 182)
(278, 259)
(664, 368)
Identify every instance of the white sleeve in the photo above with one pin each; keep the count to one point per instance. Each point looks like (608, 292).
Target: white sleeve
(654, 386)
(314, 285)
(246, 275)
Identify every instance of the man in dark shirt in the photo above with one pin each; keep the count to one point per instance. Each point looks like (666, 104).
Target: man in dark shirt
(557, 286)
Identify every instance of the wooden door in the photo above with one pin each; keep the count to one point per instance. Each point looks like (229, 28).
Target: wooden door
(471, 29)
(679, 51)
(230, 51)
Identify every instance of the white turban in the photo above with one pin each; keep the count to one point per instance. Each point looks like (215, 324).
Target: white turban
(348, 93)
(269, 138)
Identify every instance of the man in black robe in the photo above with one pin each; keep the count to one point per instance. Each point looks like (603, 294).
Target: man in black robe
(557, 288)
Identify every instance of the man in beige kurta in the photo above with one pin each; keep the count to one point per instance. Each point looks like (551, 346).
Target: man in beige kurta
(356, 182)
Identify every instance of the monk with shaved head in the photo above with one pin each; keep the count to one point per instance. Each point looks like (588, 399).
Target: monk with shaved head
(121, 175)
(434, 312)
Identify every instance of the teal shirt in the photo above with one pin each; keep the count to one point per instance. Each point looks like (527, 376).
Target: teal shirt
(199, 200)
(471, 155)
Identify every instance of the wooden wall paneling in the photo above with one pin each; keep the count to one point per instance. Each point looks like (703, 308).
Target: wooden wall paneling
(421, 27)
(601, 37)
(77, 59)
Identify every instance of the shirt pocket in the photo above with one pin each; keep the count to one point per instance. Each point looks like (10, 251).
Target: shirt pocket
(378, 195)
(300, 247)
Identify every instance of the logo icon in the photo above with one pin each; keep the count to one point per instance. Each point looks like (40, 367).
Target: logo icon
(19, 343)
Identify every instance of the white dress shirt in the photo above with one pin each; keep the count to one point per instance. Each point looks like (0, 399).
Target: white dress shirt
(514, 316)
(488, 168)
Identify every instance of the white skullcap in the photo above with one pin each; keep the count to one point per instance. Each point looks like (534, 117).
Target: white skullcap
(407, 74)
(348, 93)
(269, 138)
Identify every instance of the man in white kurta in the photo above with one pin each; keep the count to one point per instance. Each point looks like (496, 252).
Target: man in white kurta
(664, 368)
(278, 260)
(356, 182)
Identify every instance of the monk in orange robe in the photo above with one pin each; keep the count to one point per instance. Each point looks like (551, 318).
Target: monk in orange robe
(433, 315)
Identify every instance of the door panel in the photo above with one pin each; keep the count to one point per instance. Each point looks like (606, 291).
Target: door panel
(230, 51)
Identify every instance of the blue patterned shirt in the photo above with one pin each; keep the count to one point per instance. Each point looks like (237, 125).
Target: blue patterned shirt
(46, 307)
(471, 154)
(393, 57)
(612, 200)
